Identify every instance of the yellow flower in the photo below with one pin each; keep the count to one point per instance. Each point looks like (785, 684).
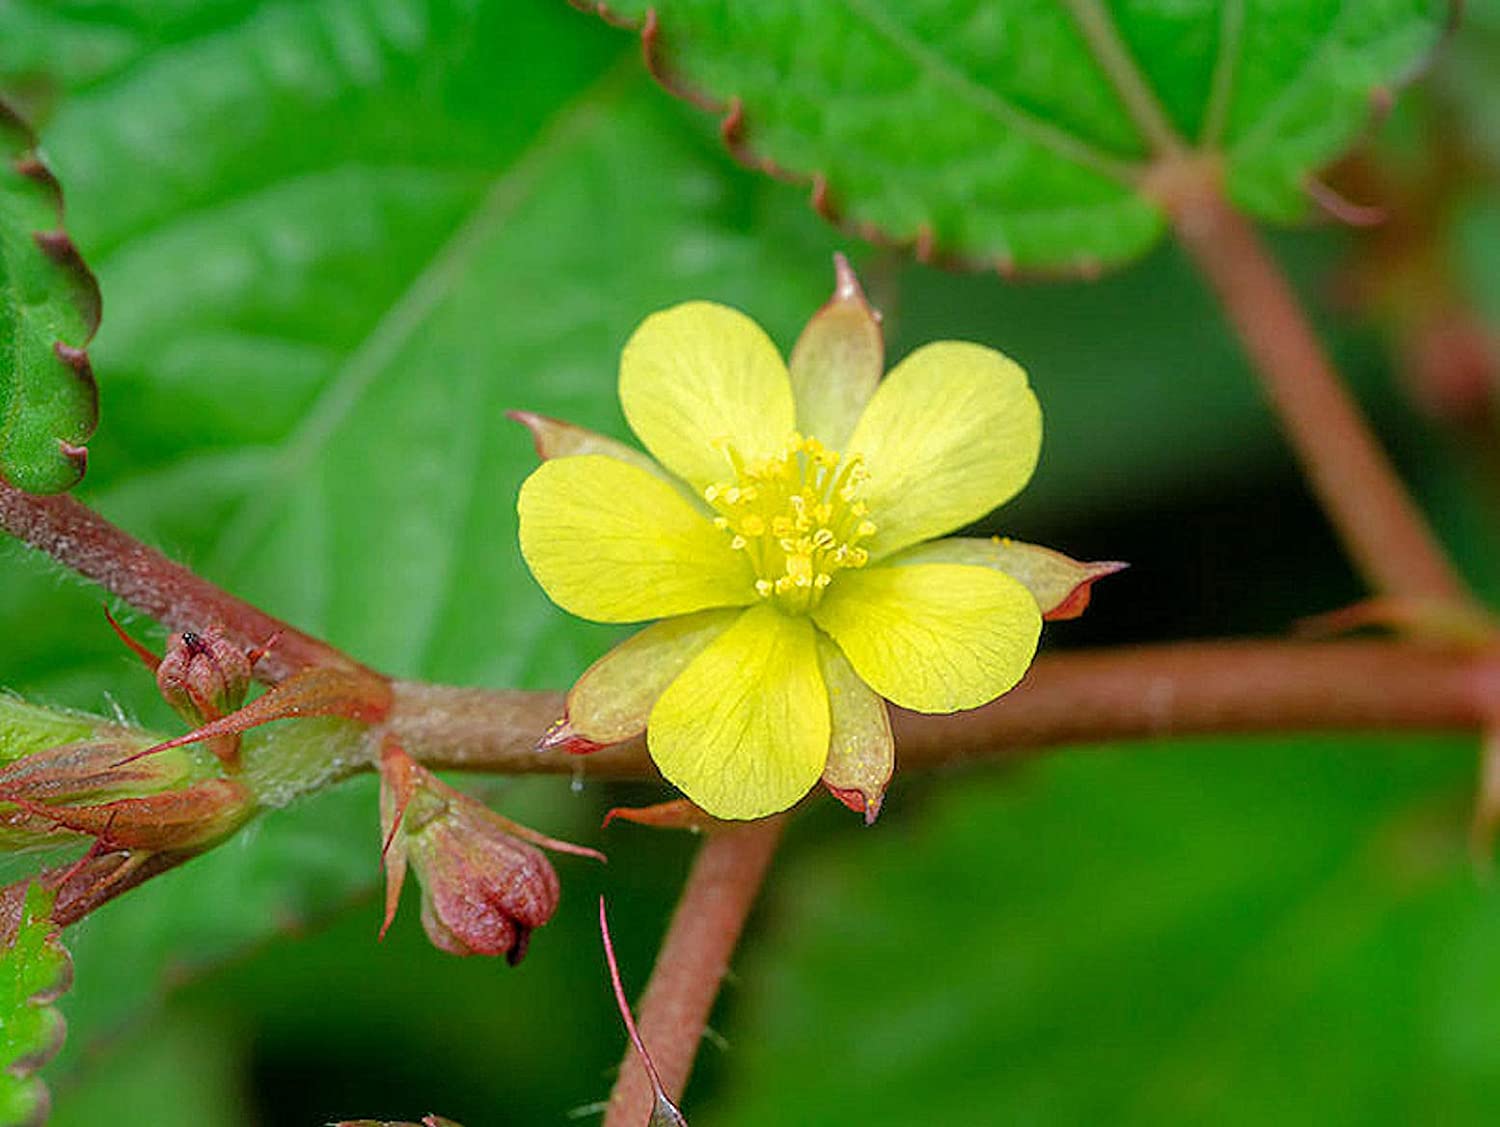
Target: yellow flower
(784, 536)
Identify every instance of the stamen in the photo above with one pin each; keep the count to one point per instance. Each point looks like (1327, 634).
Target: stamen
(797, 515)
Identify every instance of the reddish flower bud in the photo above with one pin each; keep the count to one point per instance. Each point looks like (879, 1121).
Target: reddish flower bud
(483, 891)
(84, 789)
(484, 888)
(204, 675)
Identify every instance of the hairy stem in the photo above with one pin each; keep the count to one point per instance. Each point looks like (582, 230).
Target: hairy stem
(79, 538)
(705, 927)
(1082, 697)
(1385, 534)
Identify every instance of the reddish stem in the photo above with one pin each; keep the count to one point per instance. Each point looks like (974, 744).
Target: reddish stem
(705, 927)
(1083, 697)
(81, 539)
(1381, 527)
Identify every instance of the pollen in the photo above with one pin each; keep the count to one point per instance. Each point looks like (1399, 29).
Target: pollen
(797, 515)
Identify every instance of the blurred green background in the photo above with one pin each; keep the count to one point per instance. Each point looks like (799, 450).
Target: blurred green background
(337, 239)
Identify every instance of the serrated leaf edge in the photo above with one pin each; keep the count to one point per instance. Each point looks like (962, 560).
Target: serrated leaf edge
(57, 245)
(25, 1066)
(732, 132)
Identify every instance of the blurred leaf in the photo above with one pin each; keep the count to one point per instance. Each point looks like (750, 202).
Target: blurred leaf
(1469, 79)
(34, 971)
(184, 1074)
(993, 131)
(49, 309)
(1230, 931)
(426, 212)
(321, 319)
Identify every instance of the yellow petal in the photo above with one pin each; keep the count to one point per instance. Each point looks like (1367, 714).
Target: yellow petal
(861, 751)
(933, 637)
(1061, 585)
(612, 701)
(953, 432)
(611, 542)
(744, 730)
(699, 374)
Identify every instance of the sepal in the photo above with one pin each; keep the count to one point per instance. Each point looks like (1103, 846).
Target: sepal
(837, 361)
(486, 886)
(1062, 586)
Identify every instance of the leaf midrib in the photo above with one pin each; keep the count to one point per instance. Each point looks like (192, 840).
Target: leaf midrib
(1060, 142)
(572, 121)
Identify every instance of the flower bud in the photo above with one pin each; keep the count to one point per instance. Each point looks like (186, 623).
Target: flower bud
(483, 891)
(160, 803)
(204, 675)
(484, 888)
(90, 777)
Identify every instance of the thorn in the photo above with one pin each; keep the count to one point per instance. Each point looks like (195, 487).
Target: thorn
(526, 833)
(634, 1034)
(264, 648)
(679, 814)
(150, 659)
(1342, 209)
(318, 691)
(732, 127)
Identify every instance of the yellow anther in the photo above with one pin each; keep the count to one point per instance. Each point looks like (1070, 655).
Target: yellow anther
(797, 515)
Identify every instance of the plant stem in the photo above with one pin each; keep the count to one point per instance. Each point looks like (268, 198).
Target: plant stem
(1067, 698)
(79, 538)
(705, 927)
(1082, 697)
(1381, 527)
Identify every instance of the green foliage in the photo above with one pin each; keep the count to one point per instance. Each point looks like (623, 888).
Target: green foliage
(327, 277)
(34, 970)
(49, 308)
(994, 132)
(1232, 931)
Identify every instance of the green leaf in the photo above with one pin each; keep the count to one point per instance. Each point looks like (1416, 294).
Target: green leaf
(1025, 134)
(1236, 931)
(185, 1073)
(266, 406)
(49, 309)
(316, 325)
(34, 972)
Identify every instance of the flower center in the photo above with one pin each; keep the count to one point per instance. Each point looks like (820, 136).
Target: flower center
(797, 515)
